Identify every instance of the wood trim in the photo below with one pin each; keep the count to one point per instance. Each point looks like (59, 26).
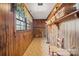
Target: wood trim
(40, 19)
(53, 13)
(38, 27)
(28, 10)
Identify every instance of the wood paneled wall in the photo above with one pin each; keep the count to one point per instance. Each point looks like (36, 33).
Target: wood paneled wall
(23, 39)
(38, 27)
(12, 42)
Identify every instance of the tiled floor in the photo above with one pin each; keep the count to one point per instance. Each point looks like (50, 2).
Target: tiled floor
(38, 47)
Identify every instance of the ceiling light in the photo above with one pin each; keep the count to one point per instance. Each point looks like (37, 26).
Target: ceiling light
(40, 4)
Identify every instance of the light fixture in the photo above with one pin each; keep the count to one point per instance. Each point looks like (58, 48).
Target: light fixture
(40, 4)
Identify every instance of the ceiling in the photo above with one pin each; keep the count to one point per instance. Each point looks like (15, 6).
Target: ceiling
(40, 12)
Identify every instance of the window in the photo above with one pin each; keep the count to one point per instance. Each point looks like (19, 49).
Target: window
(22, 23)
(20, 19)
(29, 24)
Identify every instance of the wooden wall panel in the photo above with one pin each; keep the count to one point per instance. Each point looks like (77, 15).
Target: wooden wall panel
(12, 42)
(38, 27)
(9, 32)
(23, 39)
(2, 35)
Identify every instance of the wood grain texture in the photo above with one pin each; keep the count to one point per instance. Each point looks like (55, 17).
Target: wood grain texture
(12, 42)
(38, 27)
(38, 47)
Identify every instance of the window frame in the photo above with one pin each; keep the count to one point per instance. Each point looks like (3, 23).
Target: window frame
(20, 14)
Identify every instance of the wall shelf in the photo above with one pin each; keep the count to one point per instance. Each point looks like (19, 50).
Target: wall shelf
(57, 7)
(54, 12)
(63, 18)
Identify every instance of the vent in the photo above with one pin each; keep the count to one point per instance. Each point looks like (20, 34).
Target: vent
(40, 4)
